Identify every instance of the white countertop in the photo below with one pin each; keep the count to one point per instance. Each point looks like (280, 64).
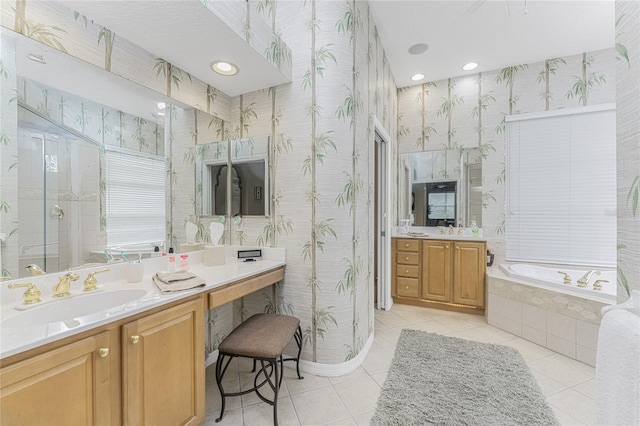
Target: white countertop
(434, 233)
(18, 339)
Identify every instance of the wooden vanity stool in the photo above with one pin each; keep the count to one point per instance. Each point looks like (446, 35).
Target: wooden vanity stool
(263, 338)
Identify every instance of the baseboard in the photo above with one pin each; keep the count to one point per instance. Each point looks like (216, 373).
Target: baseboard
(317, 368)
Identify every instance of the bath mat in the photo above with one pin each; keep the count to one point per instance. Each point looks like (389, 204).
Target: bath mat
(442, 380)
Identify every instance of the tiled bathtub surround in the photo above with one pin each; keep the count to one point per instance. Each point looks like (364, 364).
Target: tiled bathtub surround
(563, 323)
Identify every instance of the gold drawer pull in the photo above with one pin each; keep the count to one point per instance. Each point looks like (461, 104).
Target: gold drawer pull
(407, 271)
(447, 246)
(406, 288)
(406, 258)
(135, 339)
(406, 245)
(457, 248)
(103, 352)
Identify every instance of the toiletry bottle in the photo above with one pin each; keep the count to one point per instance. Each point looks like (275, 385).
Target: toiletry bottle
(474, 229)
(171, 261)
(184, 262)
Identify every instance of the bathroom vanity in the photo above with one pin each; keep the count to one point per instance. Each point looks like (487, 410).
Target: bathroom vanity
(139, 363)
(445, 272)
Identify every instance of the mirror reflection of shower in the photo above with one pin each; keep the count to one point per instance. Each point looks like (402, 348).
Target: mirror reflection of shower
(58, 181)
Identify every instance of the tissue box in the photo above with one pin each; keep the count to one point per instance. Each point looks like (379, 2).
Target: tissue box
(187, 247)
(214, 255)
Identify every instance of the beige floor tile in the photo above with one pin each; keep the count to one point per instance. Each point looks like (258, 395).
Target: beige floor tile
(378, 359)
(576, 404)
(380, 378)
(364, 419)
(566, 419)
(358, 373)
(547, 385)
(360, 395)
(529, 350)
(587, 388)
(391, 319)
(485, 334)
(262, 414)
(310, 382)
(433, 327)
(231, 418)
(565, 370)
(319, 406)
(344, 422)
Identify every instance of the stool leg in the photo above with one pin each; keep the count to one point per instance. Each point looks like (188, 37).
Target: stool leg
(298, 337)
(219, 374)
(275, 391)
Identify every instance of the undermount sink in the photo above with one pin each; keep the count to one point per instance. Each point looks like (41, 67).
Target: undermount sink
(72, 307)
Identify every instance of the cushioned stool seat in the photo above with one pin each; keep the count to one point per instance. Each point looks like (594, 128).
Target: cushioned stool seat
(263, 337)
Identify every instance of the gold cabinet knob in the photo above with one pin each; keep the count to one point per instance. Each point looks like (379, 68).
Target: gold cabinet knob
(457, 248)
(406, 258)
(406, 288)
(447, 246)
(406, 245)
(103, 352)
(135, 339)
(407, 271)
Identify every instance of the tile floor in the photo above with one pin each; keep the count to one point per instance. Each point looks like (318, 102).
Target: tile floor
(351, 399)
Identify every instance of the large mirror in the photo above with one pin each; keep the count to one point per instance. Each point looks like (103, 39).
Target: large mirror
(233, 183)
(441, 188)
(87, 141)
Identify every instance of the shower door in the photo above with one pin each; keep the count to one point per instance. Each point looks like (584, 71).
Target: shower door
(38, 201)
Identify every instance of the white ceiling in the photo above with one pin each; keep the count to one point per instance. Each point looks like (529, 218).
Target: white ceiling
(187, 34)
(493, 33)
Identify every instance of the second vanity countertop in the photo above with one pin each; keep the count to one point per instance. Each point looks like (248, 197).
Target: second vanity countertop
(20, 337)
(431, 233)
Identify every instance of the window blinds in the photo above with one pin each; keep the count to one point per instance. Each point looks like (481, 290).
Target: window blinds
(135, 197)
(561, 187)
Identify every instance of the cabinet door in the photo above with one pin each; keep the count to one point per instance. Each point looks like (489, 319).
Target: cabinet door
(163, 367)
(72, 385)
(436, 270)
(469, 269)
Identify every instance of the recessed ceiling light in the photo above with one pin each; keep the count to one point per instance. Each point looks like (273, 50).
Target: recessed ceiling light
(470, 66)
(417, 77)
(161, 105)
(158, 115)
(419, 48)
(224, 68)
(36, 58)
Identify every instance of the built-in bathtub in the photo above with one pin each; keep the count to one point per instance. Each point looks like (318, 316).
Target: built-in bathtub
(553, 279)
(532, 302)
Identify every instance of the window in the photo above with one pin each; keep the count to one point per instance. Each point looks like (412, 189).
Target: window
(135, 197)
(561, 187)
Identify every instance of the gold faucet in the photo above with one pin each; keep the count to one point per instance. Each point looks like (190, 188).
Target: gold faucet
(64, 284)
(34, 269)
(598, 284)
(582, 282)
(31, 296)
(91, 283)
(567, 278)
(450, 230)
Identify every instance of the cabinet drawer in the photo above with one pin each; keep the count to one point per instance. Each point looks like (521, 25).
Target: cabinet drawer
(407, 258)
(408, 271)
(408, 245)
(407, 287)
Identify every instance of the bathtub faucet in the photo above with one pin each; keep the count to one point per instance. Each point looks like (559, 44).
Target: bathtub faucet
(582, 282)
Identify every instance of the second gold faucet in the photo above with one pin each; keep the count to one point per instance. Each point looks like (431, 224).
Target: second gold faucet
(64, 284)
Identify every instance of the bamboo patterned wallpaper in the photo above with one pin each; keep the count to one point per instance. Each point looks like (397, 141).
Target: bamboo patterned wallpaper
(321, 151)
(628, 143)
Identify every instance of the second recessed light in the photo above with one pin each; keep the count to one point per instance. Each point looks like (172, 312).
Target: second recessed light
(224, 68)
(417, 77)
(470, 66)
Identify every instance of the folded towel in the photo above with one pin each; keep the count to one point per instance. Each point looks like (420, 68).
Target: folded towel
(175, 284)
(170, 277)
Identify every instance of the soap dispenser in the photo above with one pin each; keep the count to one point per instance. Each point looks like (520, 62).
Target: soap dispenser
(475, 232)
(171, 261)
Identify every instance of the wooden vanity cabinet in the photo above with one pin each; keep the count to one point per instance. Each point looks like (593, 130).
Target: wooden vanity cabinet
(76, 384)
(163, 367)
(439, 273)
(148, 370)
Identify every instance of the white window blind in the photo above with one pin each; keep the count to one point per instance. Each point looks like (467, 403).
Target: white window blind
(135, 197)
(561, 187)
